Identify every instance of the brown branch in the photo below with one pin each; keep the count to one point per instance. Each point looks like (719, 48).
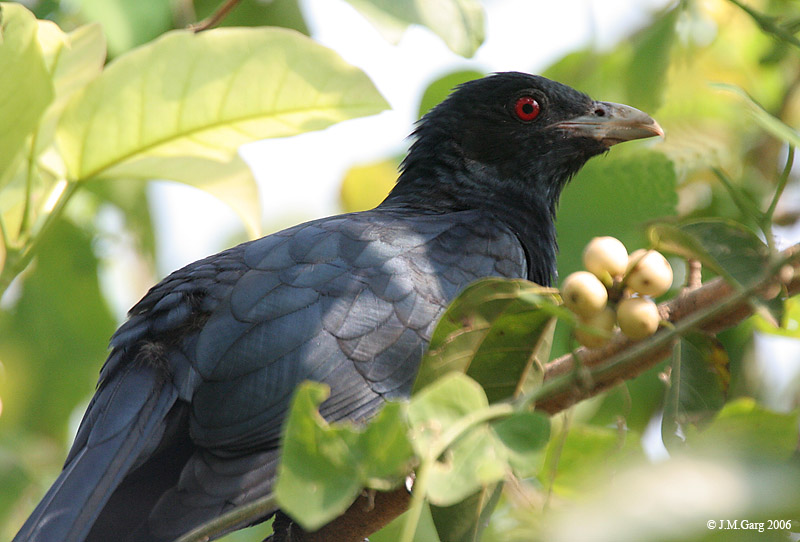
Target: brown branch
(215, 18)
(618, 361)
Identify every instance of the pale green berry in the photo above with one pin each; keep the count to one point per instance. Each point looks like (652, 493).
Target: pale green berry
(637, 317)
(584, 294)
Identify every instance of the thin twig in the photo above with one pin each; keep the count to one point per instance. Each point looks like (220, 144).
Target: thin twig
(215, 18)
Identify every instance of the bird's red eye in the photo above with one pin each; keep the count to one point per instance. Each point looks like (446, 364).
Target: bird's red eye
(526, 108)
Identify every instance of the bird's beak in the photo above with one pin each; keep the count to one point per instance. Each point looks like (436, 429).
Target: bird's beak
(612, 123)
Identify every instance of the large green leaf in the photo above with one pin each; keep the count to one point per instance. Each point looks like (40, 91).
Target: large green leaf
(156, 110)
(498, 332)
(25, 85)
(460, 23)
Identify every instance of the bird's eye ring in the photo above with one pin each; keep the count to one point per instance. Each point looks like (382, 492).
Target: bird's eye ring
(526, 108)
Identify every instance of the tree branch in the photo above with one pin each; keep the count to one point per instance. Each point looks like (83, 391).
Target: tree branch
(712, 307)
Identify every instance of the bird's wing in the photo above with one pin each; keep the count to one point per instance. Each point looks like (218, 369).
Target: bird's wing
(351, 302)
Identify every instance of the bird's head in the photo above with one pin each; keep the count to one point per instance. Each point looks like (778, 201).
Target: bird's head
(520, 132)
(509, 143)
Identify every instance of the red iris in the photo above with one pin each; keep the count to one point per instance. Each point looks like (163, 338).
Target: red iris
(527, 108)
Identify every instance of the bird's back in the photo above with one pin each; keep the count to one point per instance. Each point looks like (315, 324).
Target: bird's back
(350, 301)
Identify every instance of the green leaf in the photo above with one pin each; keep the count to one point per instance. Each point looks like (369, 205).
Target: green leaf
(723, 246)
(647, 72)
(438, 90)
(460, 23)
(523, 434)
(790, 320)
(317, 479)
(440, 405)
(383, 450)
(325, 466)
(614, 196)
(465, 521)
(366, 185)
(476, 460)
(184, 96)
(74, 59)
(700, 380)
(129, 24)
(60, 301)
(498, 332)
(26, 88)
(576, 457)
(744, 428)
(768, 122)
(284, 13)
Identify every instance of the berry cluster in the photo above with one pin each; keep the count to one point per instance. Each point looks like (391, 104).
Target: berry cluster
(616, 289)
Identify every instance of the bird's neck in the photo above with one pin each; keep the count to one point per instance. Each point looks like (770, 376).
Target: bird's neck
(525, 205)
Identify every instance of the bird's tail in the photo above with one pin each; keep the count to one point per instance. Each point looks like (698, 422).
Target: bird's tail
(125, 421)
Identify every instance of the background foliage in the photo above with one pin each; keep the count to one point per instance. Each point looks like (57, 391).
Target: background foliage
(64, 163)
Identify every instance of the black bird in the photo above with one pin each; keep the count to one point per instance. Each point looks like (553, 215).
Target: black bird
(186, 420)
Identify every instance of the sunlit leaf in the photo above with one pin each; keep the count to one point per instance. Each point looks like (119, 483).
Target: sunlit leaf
(26, 88)
(476, 460)
(187, 96)
(74, 59)
(325, 466)
(460, 23)
(229, 180)
(315, 456)
(441, 404)
(498, 332)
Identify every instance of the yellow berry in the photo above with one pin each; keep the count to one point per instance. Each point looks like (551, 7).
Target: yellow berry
(637, 317)
(649, 273)
(605, 255)
(601, 323)
(584, 294)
